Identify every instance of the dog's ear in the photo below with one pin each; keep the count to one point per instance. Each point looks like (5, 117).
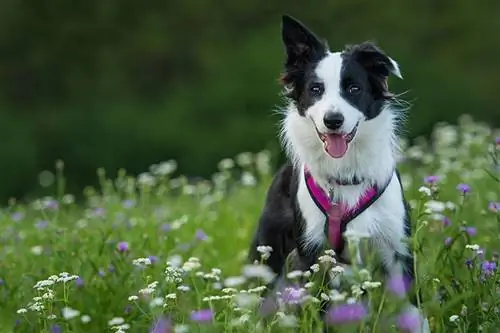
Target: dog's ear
(374, 60)
(301, 45)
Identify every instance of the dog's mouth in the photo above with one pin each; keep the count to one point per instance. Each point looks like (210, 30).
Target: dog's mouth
(336, 144)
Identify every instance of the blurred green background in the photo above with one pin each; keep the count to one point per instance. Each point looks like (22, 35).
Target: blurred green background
(130, 83)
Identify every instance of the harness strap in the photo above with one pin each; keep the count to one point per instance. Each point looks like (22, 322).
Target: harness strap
(337, 214)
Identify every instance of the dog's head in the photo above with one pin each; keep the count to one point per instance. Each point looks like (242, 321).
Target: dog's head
(336, 91)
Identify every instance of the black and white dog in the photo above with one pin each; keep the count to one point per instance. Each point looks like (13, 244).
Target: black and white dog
(340, 133)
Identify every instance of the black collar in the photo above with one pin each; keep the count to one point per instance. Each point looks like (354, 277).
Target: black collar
(347, 181)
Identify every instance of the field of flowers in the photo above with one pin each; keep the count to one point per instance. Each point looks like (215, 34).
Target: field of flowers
(160, 254)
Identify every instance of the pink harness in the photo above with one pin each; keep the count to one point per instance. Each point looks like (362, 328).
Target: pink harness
(338, 215)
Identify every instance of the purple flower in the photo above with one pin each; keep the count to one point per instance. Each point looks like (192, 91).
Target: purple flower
(468, 263)
(41, 224)
(56, 329)
(122, 247)
(448, 241)
(408, 321)
(79, 282)
(494, 207)
(166, 227)
(153, 259)
(346, 313)
(471, 231)
(101, 272)
(51, 204)
(431, 179)
(99, 212)
(464, 188)
(18, 216)
(162, 325)
(446, 221)
(488, 267)
(111, 268)
(497, 140)
(292, 295)
(128, 203)
(399, 284)
(202, 315)
(201, 235)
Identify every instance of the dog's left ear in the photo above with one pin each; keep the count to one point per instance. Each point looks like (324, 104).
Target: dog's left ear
(375, 61)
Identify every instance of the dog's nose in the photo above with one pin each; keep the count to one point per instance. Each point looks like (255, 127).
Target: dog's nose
(333, 120)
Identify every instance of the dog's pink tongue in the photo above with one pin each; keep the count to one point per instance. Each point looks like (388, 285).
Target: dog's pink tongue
(335, 145)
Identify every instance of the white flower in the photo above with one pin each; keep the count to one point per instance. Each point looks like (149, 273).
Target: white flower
(133, 298)
(171, 296)
(116, 321)
(315, 268)
(141, 262)
(338, 270)
(183, 288)
(226, 164)
(265, 251)
(85, 319)
(454, 318)
(37, 250)
(294, 274)
(234, 281)
(327, 259)
(259, 271)
(69, 313)
(473, 247)
(51, 317)
(424, 189)
(156, 302)
(21, 311)
(146, 179)
(181, 328)
(435, 206)
(246, 300)
(335, 296)
(371, 285)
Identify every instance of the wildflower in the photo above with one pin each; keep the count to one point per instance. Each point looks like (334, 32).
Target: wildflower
(156, 302)
(166, 227)
(473, 247)
(41, 224)
(181, 328)
(226, 164)
(133, 298)
(497, 140)
(153, 259)
(435, 206)
(408, 321)
(399, 284)
(259, 271)
(202, 315)
(454, 318)
(122, 247)
(265, 251)
(293, 295)
(294, 274)
(471, 231)
(346, 313)
(55, 329)
(448, 241)
(234, 281)
(69, 313)
(18, 216)
(201, 235)
(464, 188)
(446, 221)
(22, 311)
(468, 263)
(494, 207)
(427, 191)
(85, 319)
(141, 262)
(162, 325)
(431, 179)
(129, 203)
(116, 321)
(37, 250)
(488, 267)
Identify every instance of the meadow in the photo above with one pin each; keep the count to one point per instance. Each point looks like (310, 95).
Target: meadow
(156, 253)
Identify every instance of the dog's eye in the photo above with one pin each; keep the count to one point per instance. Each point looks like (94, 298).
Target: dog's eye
(317, 89)
(354, 89)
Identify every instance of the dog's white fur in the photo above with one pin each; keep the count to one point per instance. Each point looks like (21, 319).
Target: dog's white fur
(372, 155)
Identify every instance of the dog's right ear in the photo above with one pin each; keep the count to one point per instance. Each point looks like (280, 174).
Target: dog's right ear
(301, 45)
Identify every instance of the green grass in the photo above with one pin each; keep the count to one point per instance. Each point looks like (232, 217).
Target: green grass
(213, 222)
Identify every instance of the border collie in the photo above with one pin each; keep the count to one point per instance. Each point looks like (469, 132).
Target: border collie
(340, 133)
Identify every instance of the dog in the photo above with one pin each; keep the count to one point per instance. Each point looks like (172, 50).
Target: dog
(340, 131)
